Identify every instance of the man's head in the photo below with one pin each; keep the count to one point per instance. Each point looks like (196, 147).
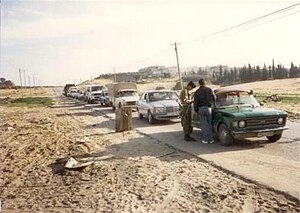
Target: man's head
(202, 82)
(190, 85)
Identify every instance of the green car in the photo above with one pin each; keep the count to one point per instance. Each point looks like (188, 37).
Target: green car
(237, 114)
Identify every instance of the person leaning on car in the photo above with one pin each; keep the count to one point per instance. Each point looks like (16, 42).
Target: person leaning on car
(204, 99)
(186, 118)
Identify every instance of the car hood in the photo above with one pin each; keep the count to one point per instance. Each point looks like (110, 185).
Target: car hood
(247, 112)
(165, 103)
(96, 92)
(130, 98)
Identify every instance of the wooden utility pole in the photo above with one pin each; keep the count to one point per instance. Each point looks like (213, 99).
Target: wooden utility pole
(29, 84)
(21, 82)
(24, 75)
(179, 73)
(115, 77)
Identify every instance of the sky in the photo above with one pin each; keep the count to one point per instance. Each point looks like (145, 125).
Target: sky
(61, 42)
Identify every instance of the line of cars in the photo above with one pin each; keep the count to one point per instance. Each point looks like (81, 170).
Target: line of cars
(88, 93)
(236, 114)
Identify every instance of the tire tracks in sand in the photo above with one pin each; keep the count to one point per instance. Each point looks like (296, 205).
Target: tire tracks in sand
(176, 185)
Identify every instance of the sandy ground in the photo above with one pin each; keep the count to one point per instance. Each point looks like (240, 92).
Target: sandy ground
(281, 87)
(16, 93)
(131, 172)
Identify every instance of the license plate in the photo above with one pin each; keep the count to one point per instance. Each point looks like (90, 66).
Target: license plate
(172, 113)
(265, 134)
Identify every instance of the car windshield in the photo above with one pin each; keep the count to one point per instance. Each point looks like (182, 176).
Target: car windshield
(159, 96)
(96, 88)
(231, 99)
(127, 93)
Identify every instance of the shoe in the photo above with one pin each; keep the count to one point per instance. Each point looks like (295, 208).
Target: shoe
(202, 141)
(192, 139)
(188, 138)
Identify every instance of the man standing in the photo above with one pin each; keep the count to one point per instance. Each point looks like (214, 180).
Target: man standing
(204, 100)
(186, 118)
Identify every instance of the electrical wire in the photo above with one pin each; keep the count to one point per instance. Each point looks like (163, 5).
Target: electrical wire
(242, 24)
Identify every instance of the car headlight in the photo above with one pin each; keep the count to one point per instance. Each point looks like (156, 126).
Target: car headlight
(241, 124)
(158, 109)
(280, 120)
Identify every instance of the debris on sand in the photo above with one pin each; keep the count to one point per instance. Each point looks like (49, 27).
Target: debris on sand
(74, 164)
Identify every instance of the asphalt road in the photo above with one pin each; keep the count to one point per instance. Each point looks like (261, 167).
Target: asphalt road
(275, 165)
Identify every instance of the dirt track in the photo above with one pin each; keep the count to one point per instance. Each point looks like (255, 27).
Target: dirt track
(139, 174)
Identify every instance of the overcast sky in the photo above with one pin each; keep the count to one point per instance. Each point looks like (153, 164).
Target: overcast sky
(64, 41)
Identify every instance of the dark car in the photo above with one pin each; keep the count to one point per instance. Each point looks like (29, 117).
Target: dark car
(66, 88)
(237, 114)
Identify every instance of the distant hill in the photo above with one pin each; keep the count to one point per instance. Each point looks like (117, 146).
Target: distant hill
(281, 86)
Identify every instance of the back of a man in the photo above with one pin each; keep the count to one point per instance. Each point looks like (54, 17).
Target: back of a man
(204, 99)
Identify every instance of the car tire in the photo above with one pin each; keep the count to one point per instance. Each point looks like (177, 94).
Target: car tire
(140, 115)
(150, 118)
(274, 138)
(225, 137)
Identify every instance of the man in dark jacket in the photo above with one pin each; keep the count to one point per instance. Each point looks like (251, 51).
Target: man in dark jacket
(204, 100)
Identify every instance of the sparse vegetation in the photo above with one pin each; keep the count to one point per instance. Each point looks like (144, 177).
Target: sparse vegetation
(27, 101)
(287, 99)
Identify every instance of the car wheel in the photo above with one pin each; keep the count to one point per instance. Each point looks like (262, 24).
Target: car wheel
(150, 118)
(274, 138)
(140, 115)
(225, 137)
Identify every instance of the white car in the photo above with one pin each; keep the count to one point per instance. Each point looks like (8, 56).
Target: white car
(72, 91)
(92, 93)
(159, 105)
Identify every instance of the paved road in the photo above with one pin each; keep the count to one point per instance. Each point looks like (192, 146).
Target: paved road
(275, 165)
(272, 164)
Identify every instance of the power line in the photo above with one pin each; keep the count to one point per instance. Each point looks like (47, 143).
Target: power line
(244, 23)
(290, 14)
(251, 21)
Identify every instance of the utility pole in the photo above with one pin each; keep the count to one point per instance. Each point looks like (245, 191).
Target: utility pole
(179, 73)
(24, 75)
(33, 82)
(29, 84)
(115, 77)
(21, 82)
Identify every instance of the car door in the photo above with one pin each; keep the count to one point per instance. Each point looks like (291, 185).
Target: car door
(144, 104)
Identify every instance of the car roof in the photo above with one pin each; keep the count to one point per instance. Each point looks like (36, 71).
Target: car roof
(231, 89)
(161, 90)
(95, 85)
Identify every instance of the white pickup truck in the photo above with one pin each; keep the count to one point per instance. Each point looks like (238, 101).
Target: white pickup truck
(92, 93)
(122, 94)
